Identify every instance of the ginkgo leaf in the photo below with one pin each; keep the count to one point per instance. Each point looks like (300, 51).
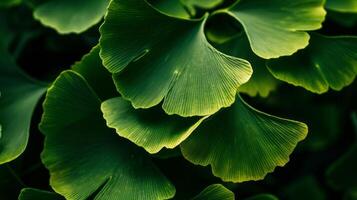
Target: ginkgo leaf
(349, 6)
(151, 128)
(19, 96)
(174, 63)
(263, 197)
(261, 82)
(87, 158)
(215, 192)
(67, 16)
(91, 68)
(35, 194)
(171, 7)
(243, 144)
(278, 27)
(327, 62)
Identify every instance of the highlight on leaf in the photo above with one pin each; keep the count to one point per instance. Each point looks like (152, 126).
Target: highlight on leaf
(248, 146)
(67, 16)
(150, 66)
(275, 27)
(328, 62)
(19, 95)
(215, 192)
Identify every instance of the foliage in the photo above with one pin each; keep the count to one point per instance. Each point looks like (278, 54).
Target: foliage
(139, 99)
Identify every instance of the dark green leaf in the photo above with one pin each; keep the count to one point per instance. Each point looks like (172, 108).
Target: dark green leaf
(85, 157)
(327, 62)
(242, 144)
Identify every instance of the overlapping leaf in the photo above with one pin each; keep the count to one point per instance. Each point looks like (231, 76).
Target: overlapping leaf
(278, 27)
(67, 16)
(86, 157)
(326, 62)
(35, 194)
(349, 6)
(261, 82)
(18, 97)
(159, 58)
(171, 7)
(215, 192)
(150, 128)
(242, 144)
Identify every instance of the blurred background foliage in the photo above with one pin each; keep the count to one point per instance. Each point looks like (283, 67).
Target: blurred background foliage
(324, 166)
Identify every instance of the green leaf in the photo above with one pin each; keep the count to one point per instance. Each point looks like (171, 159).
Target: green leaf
(342, 173)
(349, 6)
(278, 27)
(91, 68)
(327, 62)
(215, 192)
(171, 7)
(151, 129)
(243, 144)
(67, 16)
(8, 3)
(85, 157)
(174, 64)
(35, 194)
(19, 96)
(194, 5)
(261, 82)
(263, 197)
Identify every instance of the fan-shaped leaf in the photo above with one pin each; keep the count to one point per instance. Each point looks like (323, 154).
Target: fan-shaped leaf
(67, 16)
(167, 59)
(215, 192)
(85, 157)
(327, 62)
(242, 144)
(150, 128)
(277, 27)
(18, 97)
(35, 194)
(342, 5)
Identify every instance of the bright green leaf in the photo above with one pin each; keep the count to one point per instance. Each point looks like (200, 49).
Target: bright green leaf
(243, 144)
(261, 82)
(327, 62)
(215, 192)
(84, 156)
(68, 16)
(278, 27)
(263, 197)
(35, 194)
(174, 63)
(151, 129)
(19, 96)
(342, 5)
